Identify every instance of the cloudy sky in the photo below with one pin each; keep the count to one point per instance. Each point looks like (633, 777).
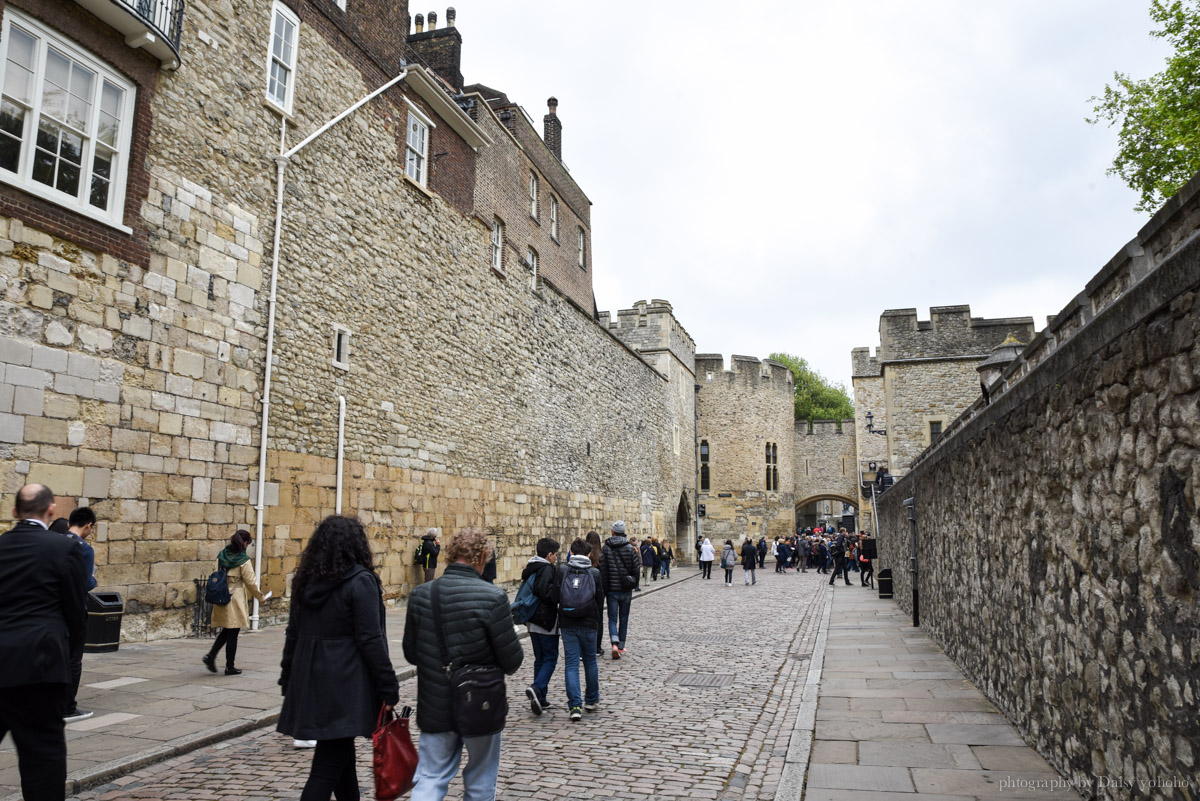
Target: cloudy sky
(782, 172)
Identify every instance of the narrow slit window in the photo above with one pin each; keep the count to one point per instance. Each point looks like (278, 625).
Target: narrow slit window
(497, 245)
(341, 347)
(533, 195)
(554, 217)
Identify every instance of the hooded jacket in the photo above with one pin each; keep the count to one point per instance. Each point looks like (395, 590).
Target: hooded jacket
(728, 557)
(478, 626)
(336, 671)
(590, 620)
(429, 551)
(545, 587)
(620, 565)
(707, 554)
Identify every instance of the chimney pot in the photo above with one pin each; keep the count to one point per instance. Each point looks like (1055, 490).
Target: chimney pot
(552, 129)
(450, 16)
(553, 104)
(420, 23)
(433, 20)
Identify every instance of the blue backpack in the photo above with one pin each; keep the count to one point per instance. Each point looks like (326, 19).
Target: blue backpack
(578, 594)
(216, 591)
(526, 602)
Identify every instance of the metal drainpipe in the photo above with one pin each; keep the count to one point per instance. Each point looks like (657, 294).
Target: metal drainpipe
(696, 455)
(337, 508)
(281, 162)
(911, 505)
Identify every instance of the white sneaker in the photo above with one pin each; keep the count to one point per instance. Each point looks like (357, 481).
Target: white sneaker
(304, 743)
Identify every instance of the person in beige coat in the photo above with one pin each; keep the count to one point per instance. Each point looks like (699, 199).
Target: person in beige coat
(235, 615)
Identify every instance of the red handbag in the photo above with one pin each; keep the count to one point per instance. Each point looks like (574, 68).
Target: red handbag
(395, 756)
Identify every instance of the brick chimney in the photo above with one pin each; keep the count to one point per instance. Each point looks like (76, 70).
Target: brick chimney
(438, 49)
(552, 129)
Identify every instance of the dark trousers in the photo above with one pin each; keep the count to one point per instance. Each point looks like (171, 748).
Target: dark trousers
(34, 715)
(228, 639)
(868, 572)
(840, 568)
(706, 569)
(72, 687)
(332, 772)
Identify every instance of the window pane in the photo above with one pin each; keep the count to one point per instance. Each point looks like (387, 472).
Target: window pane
(110, 99)
(12, 119)
(47, 137)
(99, 194)
(81, 82)
(21, 48)
(71, 149)
(17, 81)
(10, 153)
(68, 178)
(108, 129)
(58, 68)
(43, 167)
(79, 112)
(54, 101)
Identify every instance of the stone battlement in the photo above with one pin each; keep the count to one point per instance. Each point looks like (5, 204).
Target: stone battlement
(825, 428)
(863, 364)
(744, 368)
(950, 331)
(651, 327)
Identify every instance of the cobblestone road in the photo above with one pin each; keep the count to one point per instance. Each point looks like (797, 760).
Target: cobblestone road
(652, 738)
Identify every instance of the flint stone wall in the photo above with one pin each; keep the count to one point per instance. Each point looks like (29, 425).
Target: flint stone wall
(1058, 539)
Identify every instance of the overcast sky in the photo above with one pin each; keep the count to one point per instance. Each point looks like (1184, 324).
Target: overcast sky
(783, 172)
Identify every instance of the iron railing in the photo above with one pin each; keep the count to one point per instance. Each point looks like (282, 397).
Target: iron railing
(202, 613)
(165, 16)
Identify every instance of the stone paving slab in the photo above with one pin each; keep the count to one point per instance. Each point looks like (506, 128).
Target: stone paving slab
(897, 721)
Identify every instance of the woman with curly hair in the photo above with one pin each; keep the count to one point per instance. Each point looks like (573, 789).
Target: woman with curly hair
(593, 539)
(336, 669)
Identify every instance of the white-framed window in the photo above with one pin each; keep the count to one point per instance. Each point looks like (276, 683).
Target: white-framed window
(417, 148)
(341, 346)
(581, 258)
(281, 57)
(65, 121)
(531, 258)
(554, 217)
(533, 194)
(497, 245)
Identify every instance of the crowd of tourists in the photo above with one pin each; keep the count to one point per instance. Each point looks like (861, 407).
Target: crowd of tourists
(820, 549)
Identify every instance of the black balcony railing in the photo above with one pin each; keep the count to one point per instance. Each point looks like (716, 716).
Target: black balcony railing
(163, 17)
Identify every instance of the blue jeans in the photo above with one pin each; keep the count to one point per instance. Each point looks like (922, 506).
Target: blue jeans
(578, 643)
(666, 569)
(439, 756)
(618, 608)
(545, 658)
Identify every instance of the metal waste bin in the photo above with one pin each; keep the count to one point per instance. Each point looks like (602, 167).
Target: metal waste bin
(884, 580)
(104, 613)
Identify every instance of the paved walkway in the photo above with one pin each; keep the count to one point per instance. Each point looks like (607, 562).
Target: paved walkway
(785, 690)
(702, 707)
(153, 701)
(897, 721)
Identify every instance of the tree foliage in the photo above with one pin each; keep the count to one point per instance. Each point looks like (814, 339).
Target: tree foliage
(816, 398)
(1159, 118)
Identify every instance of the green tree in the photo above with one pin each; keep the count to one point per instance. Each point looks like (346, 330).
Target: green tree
(1159, 118)
(816, 398)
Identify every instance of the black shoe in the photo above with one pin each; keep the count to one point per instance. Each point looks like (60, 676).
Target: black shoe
(77, 714)
(209, 662)
(232, 671)
(535, 705)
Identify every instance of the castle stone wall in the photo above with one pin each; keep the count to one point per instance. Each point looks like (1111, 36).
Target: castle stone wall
(949, 331)
(826, 460)
(1074, 494)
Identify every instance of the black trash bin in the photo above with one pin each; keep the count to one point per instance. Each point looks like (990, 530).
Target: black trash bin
(884, 580)
(104, 613)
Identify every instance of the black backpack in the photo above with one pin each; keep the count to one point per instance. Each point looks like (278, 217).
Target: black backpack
(419, 554)
(216, 590)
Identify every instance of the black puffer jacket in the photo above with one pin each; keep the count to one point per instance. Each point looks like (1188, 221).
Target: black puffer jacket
(336, 669)
(619, 559)
(479, 630)
(545, 587)
(749, 555)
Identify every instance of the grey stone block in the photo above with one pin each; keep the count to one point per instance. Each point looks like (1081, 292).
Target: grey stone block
(917, 755)
(972, 734)
(15, 352)
(51, 359)
(83, 366)
(28, 377)
(12, 428)
(27, 400)
(6, 398)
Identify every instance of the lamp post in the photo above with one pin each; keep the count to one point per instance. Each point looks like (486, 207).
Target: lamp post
(871, 429)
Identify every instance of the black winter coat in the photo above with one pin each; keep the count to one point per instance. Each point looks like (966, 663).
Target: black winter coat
(545, 587)
(619, 559)
(336, 669)
(478, 626)
(749, 555)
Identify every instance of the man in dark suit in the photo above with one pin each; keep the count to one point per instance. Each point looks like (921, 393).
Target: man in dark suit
(43, 582)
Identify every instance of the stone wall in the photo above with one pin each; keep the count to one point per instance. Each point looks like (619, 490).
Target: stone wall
(741, 411)
(949, 331)
(134, 385)
(1057, 531)
(826, 461)
(917, 394)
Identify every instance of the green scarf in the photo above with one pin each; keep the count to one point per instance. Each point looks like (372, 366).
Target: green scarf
(230, 559)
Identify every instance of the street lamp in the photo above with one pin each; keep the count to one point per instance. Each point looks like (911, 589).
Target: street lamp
(871, 429)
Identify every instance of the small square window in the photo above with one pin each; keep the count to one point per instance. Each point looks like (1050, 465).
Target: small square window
(935, 430)
(341, 347)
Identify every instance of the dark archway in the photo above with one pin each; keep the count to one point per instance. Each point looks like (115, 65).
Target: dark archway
(807, 516)
(684, 542)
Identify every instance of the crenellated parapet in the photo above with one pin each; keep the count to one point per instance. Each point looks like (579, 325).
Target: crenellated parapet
(765, 374)
(950, 332)
(863, 364)
(650, 328)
